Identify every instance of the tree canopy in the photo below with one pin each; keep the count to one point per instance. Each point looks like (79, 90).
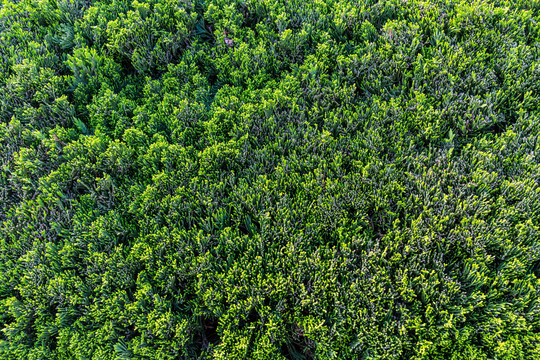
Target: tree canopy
(256, 179)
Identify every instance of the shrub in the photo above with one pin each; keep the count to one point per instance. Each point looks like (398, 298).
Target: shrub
(269, 180)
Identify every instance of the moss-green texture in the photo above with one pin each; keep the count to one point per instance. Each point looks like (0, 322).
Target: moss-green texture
(260, 179)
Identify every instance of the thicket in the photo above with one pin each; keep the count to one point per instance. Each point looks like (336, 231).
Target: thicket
(256, 179)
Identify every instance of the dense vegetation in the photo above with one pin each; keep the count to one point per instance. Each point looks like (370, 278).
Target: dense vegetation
(256, 179)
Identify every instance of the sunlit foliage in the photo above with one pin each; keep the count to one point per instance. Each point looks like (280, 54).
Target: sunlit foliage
(255, 179)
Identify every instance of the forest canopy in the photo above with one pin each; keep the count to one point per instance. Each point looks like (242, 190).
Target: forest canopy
(257, 179)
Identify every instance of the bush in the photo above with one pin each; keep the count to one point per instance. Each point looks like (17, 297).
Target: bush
(269, 180)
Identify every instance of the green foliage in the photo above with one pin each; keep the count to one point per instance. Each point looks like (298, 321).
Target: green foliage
(269, 180)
